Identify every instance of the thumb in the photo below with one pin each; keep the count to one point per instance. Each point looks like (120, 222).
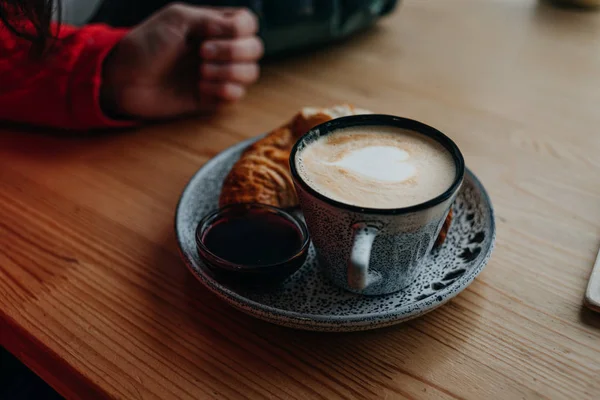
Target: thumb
(222, 23)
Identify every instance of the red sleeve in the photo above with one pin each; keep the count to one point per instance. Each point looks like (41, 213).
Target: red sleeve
(62, 88)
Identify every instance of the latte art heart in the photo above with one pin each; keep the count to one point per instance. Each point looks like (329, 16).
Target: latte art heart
(384, 163)
(377, 167)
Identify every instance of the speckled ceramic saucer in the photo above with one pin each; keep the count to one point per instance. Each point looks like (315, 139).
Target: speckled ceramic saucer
(307, 300)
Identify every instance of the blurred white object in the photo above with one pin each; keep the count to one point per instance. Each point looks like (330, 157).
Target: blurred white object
(592, 294)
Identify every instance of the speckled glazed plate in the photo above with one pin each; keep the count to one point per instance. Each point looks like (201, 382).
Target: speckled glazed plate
(307, 300)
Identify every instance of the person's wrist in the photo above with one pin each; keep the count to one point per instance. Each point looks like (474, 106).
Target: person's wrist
(109, 89)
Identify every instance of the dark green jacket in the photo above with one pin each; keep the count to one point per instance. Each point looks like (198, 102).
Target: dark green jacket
(290, 24)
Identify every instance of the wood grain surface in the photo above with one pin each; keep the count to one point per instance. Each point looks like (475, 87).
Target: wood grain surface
(94, 297)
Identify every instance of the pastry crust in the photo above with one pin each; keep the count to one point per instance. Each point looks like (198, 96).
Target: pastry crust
(444, 231)
(262, 174)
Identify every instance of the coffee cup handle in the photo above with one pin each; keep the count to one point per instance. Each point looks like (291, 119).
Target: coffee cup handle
(358, 274)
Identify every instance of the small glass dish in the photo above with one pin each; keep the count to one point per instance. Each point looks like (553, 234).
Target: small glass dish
(252, 243)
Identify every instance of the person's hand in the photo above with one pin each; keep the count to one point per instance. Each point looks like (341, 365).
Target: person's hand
(182, 60)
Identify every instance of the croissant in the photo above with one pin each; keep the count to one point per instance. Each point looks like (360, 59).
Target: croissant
(262, 174)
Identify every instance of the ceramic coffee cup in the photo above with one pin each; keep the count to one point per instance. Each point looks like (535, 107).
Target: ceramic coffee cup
(373, 251)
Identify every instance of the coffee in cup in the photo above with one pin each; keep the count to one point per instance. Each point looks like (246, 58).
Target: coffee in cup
(375, 191)
(377, 167)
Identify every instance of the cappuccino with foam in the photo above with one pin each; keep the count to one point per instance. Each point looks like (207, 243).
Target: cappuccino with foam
(377, 167)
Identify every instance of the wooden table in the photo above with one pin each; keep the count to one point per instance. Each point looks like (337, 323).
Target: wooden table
(94, 297)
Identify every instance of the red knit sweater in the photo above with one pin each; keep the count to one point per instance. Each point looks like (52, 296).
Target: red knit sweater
(61, 89)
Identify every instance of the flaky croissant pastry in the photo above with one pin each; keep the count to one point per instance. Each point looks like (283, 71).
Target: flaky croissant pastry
(262, 173)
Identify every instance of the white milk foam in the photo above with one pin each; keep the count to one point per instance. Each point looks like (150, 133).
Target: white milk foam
(384, 163)
(377, 167)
